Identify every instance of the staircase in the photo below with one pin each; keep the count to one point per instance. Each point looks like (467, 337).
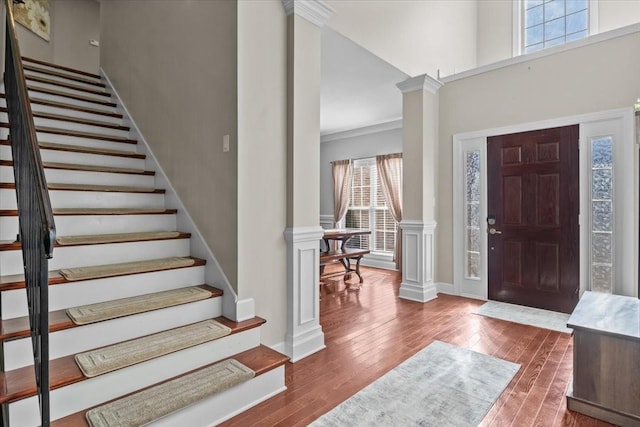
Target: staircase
(117, 241)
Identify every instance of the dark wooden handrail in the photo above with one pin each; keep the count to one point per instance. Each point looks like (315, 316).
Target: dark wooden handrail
(37, 228)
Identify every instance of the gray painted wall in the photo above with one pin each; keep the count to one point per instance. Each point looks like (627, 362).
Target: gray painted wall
(179, 82)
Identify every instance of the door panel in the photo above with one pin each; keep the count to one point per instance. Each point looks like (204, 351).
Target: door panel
(533, 196)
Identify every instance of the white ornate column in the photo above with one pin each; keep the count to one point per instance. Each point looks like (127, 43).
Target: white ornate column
(418, 260)
(419, 147)
(304, 21)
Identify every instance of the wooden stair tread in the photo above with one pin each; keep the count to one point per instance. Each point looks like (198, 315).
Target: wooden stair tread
(260, 359)
(117, 238)
(20, 383)
(37, 79)
(85, 150)
(78, 78)
(70, 95)
(60, 67)
(100, 211)
(16, 281)
(89, 135)
(57, 104)
(97, 188)
(72, 107)
(86, 168)
(18, 327)
(74, 120)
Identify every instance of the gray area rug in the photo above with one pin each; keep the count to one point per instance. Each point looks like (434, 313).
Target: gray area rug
(442, 385)
(156, 402)
(100, 311)
(526, 315)
(127, 353)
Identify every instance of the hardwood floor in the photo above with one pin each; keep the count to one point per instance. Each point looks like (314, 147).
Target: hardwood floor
(370, 331)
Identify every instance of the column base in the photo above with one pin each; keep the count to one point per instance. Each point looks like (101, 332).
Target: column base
(417, 261)
(420, 293)
(304, 344)
(304, 335)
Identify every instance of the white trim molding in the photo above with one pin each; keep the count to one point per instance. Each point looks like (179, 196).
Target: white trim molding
(418, 260)
(365, 130)
(592, 39)
(421, 82)
(304, 334)
(315, 11)
(326, 221)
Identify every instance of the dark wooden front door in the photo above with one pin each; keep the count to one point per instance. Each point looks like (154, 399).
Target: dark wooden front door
(533, 198)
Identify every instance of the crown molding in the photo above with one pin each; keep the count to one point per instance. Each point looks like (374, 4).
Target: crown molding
(421, 82)
(315, 11)
(366, 130)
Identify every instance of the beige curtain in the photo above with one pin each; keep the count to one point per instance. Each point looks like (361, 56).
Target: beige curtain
(390, 173)
(341, 170)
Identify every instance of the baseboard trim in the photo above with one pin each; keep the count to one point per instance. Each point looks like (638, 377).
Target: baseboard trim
(445, 288)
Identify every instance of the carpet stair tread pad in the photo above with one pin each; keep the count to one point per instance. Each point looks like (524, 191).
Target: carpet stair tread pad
(110, 270)
(155, 402)
(127, 353)
(113, 309)
(115, 238)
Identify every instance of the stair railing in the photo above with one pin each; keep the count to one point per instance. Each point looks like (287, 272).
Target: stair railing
(37, 228)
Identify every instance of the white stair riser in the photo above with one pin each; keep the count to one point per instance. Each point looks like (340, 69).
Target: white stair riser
(74, 113)
(112, 253)
(58, 156)
(78, 141)
(66, 176)
(90, 199)
(74, 225)
(30, 73)
(68, 90)
(58, 70)
(75, 158)
(91, 392)
(74, 294)
(224, 405)
(82, 338)
(34, 93)
(78, 127)
(63, 111)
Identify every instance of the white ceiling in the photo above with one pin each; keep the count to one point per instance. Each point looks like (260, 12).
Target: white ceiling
(358, 89)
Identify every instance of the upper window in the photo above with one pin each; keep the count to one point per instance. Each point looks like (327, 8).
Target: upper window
(549, 23)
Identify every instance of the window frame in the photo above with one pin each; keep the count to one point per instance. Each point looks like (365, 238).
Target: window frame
(518, 26)
(372, 208)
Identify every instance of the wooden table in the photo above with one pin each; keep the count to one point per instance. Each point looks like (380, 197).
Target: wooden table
(606, 358)
(344, 255)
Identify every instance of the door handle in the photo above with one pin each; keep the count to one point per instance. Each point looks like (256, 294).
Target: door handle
(493, 231)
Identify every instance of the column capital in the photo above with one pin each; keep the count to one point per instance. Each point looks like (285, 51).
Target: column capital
(315, 11)
(421, 82)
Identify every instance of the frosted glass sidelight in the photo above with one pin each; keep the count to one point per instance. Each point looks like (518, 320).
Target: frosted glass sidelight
(601, 278)
(472, 210)
(601, 248)
(602, 232)
(602, 188)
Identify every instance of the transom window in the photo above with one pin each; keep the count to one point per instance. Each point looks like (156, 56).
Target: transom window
(368, 209)
(549, 23)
